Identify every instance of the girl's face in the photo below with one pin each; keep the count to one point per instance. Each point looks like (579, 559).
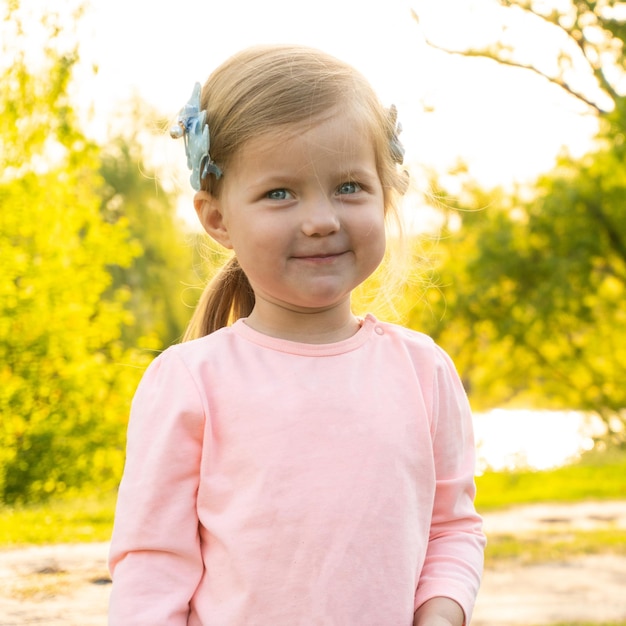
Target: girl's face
(304, 213)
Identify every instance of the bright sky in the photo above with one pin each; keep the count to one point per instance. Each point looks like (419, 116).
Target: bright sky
(506, 123)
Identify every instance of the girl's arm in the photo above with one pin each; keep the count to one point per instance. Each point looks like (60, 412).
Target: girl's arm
(454, 558)
(155, 557)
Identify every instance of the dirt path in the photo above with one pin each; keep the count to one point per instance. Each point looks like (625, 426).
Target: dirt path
(67, 585)
(61, 585)
(589, 589)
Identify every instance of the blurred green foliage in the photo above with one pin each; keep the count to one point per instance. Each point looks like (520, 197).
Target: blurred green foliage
(532, 304)
(158, 277)
(65, 377)
(76, 278)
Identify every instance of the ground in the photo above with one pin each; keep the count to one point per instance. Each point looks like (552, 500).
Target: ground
(68, 585)
(582, 589)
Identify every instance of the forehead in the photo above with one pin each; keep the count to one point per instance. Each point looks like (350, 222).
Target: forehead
(336, 136)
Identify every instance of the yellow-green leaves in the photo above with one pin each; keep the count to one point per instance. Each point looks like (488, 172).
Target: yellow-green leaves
(65, 376)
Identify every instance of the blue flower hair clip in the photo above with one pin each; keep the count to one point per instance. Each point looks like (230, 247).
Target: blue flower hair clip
(397, 149)
(191, 124)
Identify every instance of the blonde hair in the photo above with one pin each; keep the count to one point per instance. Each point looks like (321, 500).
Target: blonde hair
(272, 88)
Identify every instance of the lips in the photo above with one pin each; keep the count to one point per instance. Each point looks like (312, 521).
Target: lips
(320, 255)
(320, 259)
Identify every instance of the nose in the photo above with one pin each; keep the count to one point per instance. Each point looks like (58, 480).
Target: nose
(320, 218)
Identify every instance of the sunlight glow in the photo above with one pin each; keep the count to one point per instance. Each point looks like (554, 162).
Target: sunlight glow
(524, 439)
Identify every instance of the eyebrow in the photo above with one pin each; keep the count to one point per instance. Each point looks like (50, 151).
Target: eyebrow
(360, 172)
(357, 171)
(271, 181)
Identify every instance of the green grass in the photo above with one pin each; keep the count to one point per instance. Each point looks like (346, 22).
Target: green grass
(554, 546)
(66, 521)
(598, 476)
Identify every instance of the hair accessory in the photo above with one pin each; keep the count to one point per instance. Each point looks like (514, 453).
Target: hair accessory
(397, 149)
(191, 124)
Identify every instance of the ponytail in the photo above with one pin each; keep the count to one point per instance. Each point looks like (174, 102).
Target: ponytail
(226, 298)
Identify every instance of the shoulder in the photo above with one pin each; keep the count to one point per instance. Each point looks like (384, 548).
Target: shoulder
(421, 349)
(179, 375)
(405, 335)
(185, 360)
(404, 338)
(200, 350)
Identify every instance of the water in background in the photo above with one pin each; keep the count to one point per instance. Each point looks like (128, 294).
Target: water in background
(521, 439)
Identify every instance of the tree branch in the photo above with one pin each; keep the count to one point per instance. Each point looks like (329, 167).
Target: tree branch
(579, 42)
(555, 80)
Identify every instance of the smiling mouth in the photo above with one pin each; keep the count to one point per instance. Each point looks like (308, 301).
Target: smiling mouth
(319, 257)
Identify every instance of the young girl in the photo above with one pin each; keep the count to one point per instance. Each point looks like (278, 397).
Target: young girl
(300, 466)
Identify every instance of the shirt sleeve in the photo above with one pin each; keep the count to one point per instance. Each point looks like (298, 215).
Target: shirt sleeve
(454, 558)
(155, 559)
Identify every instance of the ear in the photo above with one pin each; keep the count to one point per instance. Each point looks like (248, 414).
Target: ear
(210, 214)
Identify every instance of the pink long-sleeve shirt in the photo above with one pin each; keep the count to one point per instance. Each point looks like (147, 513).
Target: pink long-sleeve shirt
(276, 483)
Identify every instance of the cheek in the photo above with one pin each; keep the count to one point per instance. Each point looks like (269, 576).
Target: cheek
(256, 242)
(373, 242)
(374, 232)
(378, 248)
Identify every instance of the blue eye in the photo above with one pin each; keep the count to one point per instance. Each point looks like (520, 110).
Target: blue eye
(348, 188)
(277, 194)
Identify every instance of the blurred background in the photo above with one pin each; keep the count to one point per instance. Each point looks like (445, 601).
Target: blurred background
(513, 116)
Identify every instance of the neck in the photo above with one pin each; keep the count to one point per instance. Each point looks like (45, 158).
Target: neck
(316, 327)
